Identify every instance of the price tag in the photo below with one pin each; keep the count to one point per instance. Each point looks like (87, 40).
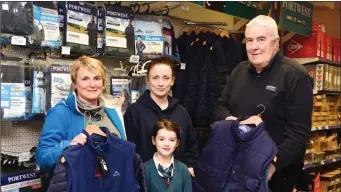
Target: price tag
(322, 163)
(40, 27)
(134, 59)
(18, 40)
(65, 50)
(24, 157)
(334, 160)
(183, 66)
(5, 6)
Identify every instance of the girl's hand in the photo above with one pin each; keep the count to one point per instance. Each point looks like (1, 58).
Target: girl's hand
(191, 171)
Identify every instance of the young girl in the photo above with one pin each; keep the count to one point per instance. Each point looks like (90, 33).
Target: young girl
(163, 172)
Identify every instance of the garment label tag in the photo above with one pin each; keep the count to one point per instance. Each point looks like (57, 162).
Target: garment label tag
(65, 50)
(5, 6)
(134, 59)
(24, 157)
(183, 66)
(40, 27)
(18, 40)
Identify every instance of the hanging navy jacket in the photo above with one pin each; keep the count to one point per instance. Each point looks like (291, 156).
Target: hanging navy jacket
(81, 165)
(234, 162)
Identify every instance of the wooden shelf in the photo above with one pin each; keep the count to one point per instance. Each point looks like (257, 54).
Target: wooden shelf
(316, 60)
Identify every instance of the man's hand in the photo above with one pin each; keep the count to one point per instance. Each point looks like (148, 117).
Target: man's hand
(191, 171)
(272, 170)
(253, 119)
(231, 118)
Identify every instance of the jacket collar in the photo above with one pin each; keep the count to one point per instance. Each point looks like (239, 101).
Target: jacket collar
(253, 133)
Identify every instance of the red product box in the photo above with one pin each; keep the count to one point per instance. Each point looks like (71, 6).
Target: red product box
(299, 46)
(328, 53)
(336, 50)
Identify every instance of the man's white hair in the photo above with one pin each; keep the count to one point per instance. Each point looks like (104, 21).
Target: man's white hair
(265, 21)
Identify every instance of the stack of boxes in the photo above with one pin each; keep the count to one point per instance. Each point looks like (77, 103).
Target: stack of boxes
(330, 181)
(326, 110)
(326, 77)
(318, 45)
(322, 147)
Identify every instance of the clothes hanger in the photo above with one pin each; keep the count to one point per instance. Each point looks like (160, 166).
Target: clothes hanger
(254, 121)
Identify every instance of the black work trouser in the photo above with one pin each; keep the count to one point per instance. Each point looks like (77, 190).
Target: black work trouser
(285, 180)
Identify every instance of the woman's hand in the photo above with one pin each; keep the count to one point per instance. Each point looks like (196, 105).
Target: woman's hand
(79, 139)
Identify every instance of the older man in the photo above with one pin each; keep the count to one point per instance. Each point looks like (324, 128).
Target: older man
(283, 87)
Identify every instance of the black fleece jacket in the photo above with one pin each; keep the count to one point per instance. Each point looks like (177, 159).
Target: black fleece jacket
(285, 89)
(139, 121)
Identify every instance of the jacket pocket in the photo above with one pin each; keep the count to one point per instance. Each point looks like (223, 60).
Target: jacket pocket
(251, 184)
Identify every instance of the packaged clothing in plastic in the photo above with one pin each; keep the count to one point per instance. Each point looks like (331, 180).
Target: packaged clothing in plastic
(120, 90)
(60, 83)
(170, 48)
(38, 91)
(61, 9)
(148, 36)
(118, 30)
(81, 27)
(46, 26)
(17, 17)
(28, 93)
(100, 27)
(12, 101)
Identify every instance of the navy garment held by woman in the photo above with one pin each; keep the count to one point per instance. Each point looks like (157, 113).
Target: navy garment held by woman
(234, 162)
(82, 162)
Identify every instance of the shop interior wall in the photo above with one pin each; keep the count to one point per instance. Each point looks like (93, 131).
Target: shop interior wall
(330, 18)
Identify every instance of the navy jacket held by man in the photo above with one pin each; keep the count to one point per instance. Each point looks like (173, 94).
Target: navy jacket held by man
(234, 162)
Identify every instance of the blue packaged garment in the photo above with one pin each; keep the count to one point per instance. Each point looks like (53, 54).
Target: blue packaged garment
(38, 91)
(81, 27)
(148, 36)
(118, 30)
(46, 27)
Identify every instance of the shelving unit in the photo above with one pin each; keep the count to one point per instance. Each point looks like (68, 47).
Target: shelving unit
(321, 128)
(316, 60)
(324, 162)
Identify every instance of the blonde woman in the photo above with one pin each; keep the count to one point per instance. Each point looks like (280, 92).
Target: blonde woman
(84, 107)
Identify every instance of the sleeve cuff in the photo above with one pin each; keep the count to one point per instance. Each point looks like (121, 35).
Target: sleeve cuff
(64, 144)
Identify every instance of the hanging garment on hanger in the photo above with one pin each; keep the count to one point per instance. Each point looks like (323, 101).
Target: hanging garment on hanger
(16, 17)
(118, 30)
(104, 164)
(81, 27)
(239, 156)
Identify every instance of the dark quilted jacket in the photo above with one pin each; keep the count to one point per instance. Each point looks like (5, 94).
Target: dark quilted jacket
(234, 162)
(59, 180)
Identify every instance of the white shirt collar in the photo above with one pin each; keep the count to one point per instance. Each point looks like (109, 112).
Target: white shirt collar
(157, 162)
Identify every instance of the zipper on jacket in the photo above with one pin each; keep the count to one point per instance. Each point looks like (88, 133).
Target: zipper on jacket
(228, 175)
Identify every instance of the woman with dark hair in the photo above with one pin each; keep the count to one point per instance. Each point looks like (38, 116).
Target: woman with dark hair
(154, 105)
